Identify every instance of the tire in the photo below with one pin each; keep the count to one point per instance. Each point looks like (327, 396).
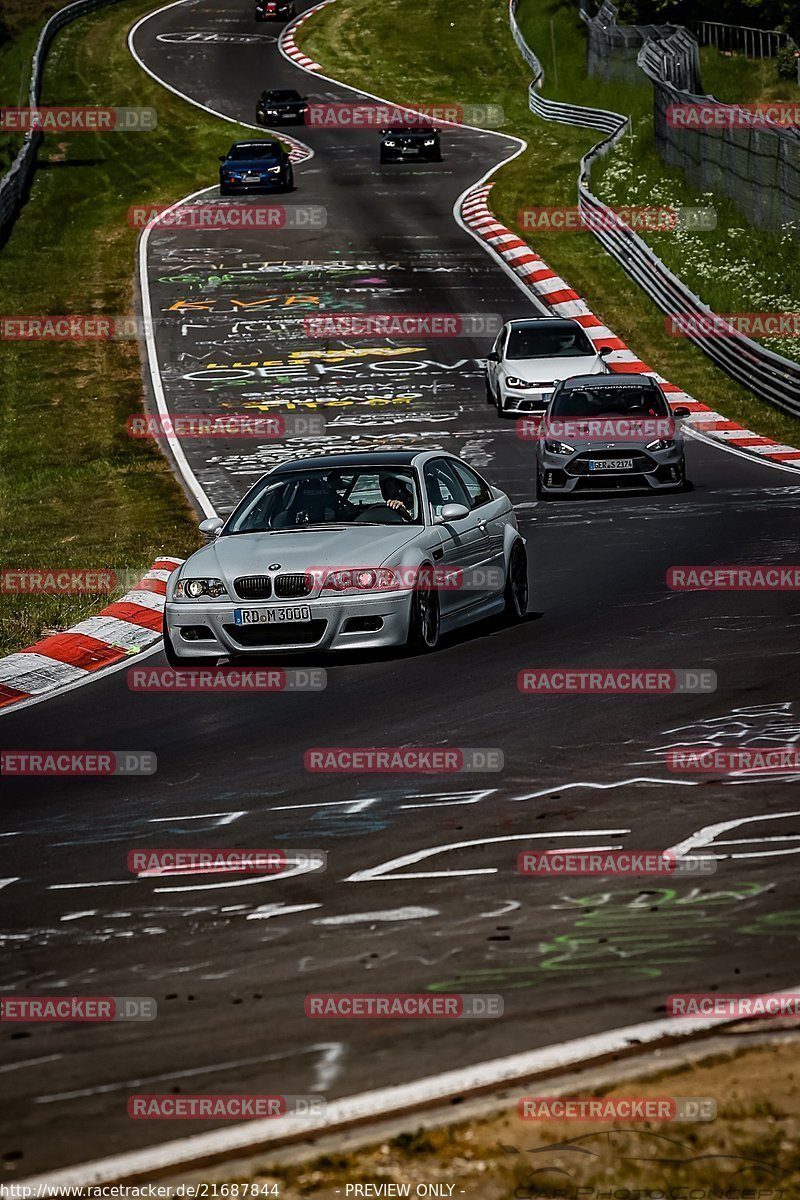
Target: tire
(223, 191)
(489, 394)
(515, 592)
(173, 659)
(424, 621)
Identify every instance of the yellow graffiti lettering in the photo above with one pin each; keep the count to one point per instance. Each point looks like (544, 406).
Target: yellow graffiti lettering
(371, 351)
(200, 305)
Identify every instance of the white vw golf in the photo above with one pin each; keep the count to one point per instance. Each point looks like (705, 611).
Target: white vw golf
(531, 356)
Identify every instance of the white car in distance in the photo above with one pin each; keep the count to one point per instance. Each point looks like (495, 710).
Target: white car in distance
(530, 356)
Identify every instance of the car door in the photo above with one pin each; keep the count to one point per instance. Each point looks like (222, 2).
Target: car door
(463, 542)
(492, 518)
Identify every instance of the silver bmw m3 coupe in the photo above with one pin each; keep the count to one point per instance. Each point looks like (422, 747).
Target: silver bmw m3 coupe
(350, 551)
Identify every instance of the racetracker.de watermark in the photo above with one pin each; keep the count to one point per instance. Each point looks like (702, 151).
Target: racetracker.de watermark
(77, 1009)
(54, 119)
(732, 325)
(73, 327)
(400, 325)
(761, 115)
(349, 579)
(608, 429)
(354, 1006)
(737, 758)
(223, 679)
(264, 426)
(617, 1108)
(612, 862)
(402, 759)
(218, 214)
(229, 1107)
(177, 861)
(377, 115)
(733, 1005)
(77, 762)
(645, 681)
(641, 218)
(755, 578)
(54, 581)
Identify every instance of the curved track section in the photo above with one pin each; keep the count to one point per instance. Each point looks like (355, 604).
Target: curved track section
(421, 891)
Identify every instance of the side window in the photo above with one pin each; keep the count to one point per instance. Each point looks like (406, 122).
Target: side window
(443, 487)
(477, 489)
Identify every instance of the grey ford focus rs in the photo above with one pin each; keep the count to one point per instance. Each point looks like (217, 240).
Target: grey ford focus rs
(350, 551)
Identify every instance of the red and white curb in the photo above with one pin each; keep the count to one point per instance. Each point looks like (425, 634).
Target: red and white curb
(289, 47)
(125, 628)
(560, 298)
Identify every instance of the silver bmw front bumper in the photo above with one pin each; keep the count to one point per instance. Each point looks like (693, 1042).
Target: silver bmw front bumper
(337, 623)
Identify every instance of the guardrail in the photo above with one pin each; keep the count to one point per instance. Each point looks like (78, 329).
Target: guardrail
(613, 49)
(15, 184)
(742, 39)
(768, 375)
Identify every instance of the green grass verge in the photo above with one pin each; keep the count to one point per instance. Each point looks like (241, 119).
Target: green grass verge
(432, 50)
(75, 490)
(739, 80)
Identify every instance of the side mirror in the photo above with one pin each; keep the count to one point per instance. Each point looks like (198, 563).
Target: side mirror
(211, 526)
(681, 412)
(452, 512)
(605, 351)
(222, 157)
(493, 356)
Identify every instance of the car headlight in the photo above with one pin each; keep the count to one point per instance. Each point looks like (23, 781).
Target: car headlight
(271, 112)
(274, 170)
(660, 444)
(429, 142)
(390, 143)
(360, 579)
(512, 381)
(194, 589)
(558, 448)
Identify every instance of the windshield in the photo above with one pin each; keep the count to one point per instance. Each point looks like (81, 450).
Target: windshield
(548, 341)
(368, 495)
(618, 401)
(258, 150)
(289, 95)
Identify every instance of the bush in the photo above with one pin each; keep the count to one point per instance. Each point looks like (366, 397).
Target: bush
(786, 63)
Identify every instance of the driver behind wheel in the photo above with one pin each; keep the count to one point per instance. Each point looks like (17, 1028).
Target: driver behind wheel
(397, 494)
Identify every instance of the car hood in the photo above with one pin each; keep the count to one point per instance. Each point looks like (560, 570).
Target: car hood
(297, 552)
(532, 370)
(250, 164)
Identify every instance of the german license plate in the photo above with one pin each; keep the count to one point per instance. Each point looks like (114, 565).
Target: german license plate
(411, 150)
(271, 616)
(610, 464)
(250, 177)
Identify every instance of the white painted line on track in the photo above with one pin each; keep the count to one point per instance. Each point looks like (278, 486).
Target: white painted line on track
(367, 1107)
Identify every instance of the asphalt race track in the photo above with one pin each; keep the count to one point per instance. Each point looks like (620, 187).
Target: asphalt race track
(229, 961)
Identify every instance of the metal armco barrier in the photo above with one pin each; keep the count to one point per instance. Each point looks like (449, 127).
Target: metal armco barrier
(769, 376)
(15, 184)
(756, 165)
(613, 49)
